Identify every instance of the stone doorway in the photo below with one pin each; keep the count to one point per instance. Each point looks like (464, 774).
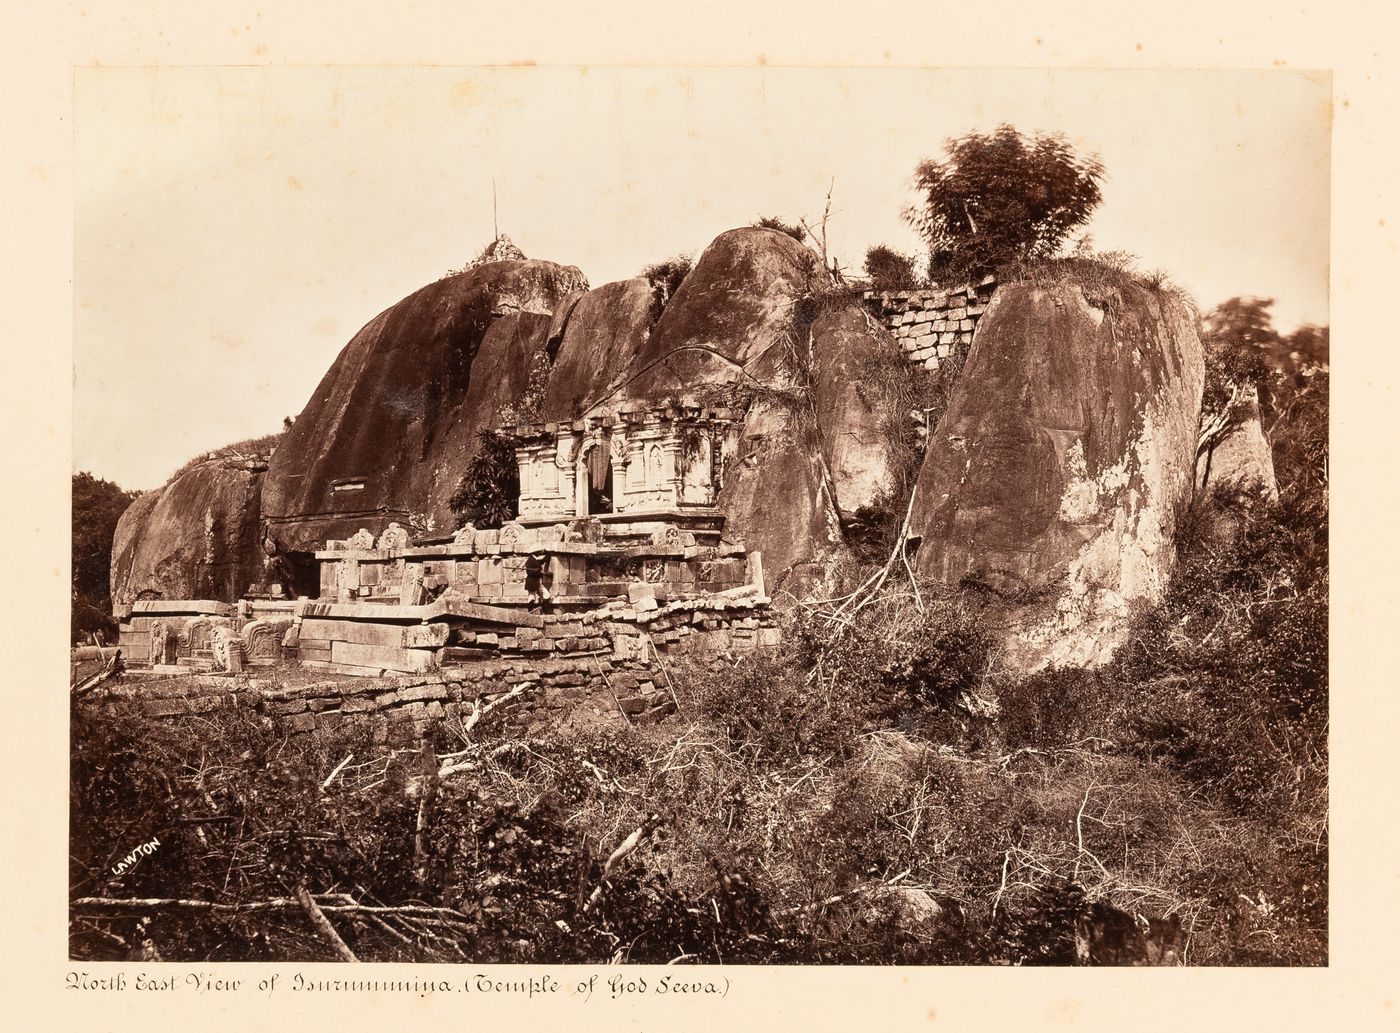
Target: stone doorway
(594, 478)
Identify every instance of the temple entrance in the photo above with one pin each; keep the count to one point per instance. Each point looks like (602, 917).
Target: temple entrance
(595, 479)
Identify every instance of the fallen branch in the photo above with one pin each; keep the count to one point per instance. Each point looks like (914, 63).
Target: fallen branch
(670, 686)
(140, 905)
(338, 769)
(323, 926)
(624, 848)
(611, 691)
(113, 668)
(426, 796)
(451, 763)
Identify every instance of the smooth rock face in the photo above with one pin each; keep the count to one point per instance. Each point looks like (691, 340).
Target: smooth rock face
(852, 364)
(776, 497)
(196, 538)
(597, 341)
(1063, 462)
(735, 305)
(1242, 455)
(390, 428)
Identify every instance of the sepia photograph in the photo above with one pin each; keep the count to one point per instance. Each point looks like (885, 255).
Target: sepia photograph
(700, 516)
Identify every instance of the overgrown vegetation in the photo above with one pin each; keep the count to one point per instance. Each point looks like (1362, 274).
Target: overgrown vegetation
(250, 449)
(876, 791)
(97, 506)
(795, 230)
(489, 492)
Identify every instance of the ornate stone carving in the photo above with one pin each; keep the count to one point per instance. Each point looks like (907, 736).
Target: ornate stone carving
(654, 571)
(262, 639)
(511, 533)
(649, 500)
(393, 538)
(195, 635)
(361, 539)
(465, 535)
(228, 650)
(656, 464)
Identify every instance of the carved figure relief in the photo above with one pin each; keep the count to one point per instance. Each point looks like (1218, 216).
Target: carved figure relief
(160, 635)
(656, 465)
(564, 453)
(228, 650)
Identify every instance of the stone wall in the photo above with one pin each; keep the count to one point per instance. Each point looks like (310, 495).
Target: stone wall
(602, 666)
(930, 322)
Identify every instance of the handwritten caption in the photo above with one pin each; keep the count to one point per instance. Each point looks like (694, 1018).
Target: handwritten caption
(544, 985)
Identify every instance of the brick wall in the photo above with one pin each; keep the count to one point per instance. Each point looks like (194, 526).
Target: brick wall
(930, 323)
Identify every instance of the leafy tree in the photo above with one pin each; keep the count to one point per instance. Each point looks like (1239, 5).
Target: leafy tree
(1290, 371)
(488, 492)
(1001, 197)
(1308, 346)
(97, 506)
(669, 275)
(1242, 322)
(889, 270)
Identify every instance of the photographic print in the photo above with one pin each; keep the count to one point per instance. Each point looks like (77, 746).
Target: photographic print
(700, 516)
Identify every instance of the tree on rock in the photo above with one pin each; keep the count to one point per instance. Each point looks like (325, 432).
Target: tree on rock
(1001, 197)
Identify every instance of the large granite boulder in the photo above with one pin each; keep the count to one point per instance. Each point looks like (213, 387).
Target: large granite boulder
(392, 425)
(596, 339)
(857, 369)
(736, 305)
(196, 538)
(1238, 453)
(1064, 461)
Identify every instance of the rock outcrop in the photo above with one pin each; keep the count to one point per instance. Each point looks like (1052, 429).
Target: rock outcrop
(596, 339)
(196, 538)
(392, 425)
(1240, 454)
(1063, 463)
(735, 308)
(855, 373)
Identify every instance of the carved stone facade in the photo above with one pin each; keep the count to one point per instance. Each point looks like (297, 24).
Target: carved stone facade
(630, 464)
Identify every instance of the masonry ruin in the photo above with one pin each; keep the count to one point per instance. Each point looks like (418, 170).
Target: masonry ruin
(619, 556)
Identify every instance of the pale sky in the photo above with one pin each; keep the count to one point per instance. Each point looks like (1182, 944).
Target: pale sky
(236, 226)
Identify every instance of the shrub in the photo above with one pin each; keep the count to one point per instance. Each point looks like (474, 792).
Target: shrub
(489, 492)
(259, 449)
(889, 270)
